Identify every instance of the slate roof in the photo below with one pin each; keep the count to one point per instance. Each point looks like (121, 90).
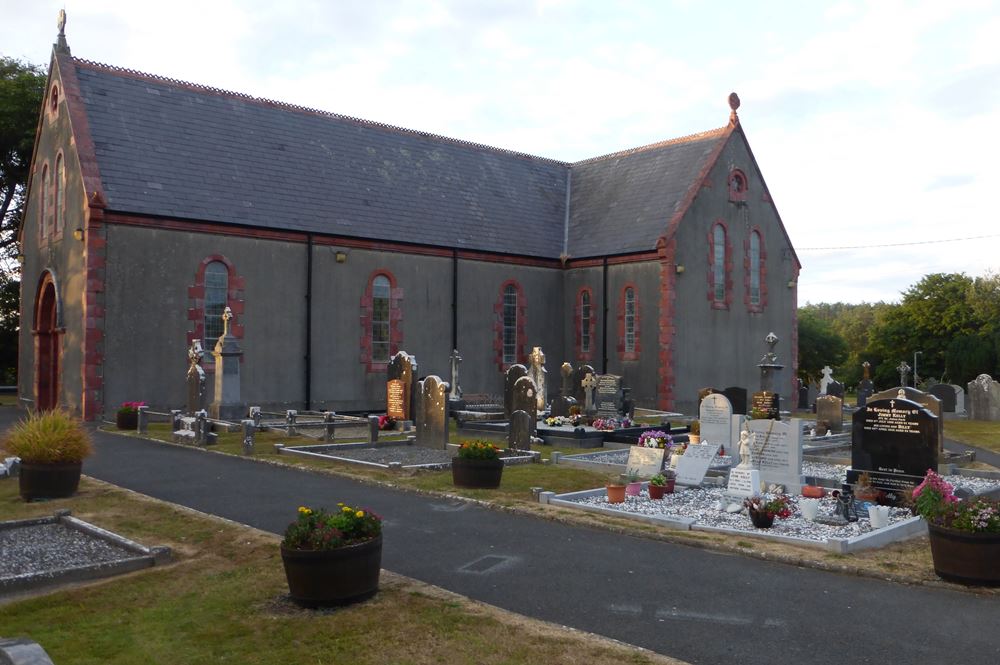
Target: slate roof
(174, 149)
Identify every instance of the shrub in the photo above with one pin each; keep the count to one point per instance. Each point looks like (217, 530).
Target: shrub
(130, 407)
(52, 437)
(478, 450)
(322, 530)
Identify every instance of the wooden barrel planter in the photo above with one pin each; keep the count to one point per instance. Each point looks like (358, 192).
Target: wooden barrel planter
(323, 578)
(49, 481)
(476, 473)
(127, 420)
(965, 557)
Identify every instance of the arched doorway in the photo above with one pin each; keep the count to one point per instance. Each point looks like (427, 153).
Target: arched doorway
(46, 346)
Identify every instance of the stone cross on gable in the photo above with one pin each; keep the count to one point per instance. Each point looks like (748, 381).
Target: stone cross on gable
(589, 383)
(903, 370)
(227, 316)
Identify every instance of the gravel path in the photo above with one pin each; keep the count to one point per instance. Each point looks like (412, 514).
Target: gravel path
(51, 547)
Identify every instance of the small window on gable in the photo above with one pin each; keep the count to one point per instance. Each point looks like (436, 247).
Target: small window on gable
(43, 207)
(216, 298)
(630, 320)
(60, 197)
(737, 185)
(510, 324)
(381, 291)
(54, 100)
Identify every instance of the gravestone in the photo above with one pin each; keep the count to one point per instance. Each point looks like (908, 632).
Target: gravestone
(743, 482)
(959, 398)
(455, 396)
(519, 431)
(769, 365)
(803, 396)
(415, 398)
(946, 394)
(737, 397)
(226, 404)
(895, 440)
(836, 389)
(826, 380)
(694, 463)
(510, 377)
(579, 374)
(865, 387)
(566, 372)
(705, 392)
(830, 409)
(607, 399)
(537, 372)
(589, 384)
(195, 378)
(398, 384)
(716, 416)
(523, 399)
(432, 421)
(767, 404)
(776, 451)
(983, 401)
(929, 402)
(644, 462)
(560, 406)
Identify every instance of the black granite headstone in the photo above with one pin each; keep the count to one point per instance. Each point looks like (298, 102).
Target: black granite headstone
(946, 394)
(607, 396)
(803, 397)
(514, 372)
(865, 390)
(560, 406)
(835, 389)
(738, 398)
(767, 404)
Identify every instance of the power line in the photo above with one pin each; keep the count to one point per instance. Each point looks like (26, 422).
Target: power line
(896, 244)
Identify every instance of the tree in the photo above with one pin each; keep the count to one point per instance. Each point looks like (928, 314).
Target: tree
(22, 88)
(969, 356)
(819, 345)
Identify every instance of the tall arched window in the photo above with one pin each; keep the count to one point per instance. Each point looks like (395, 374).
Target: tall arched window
(43, 208)
(719, 264)
(510, 324)
(585, 319)
(381, 291)
(216, 298)
(60, 193)
(629, 320)
(755, 268)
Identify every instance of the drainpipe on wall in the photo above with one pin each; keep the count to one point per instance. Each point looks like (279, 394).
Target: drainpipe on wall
(309, 286)
(604, 323)
(454, 300)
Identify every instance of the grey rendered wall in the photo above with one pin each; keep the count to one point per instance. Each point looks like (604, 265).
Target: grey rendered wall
(721, 348)
(574, 280)
(641, 374)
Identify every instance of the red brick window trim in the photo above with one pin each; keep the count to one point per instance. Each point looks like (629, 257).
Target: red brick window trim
(629, 345)
(584, 324)
(720, 267)
(510, 344)
(755, 272)
(234, 287)
(381, 321)
(738, 185)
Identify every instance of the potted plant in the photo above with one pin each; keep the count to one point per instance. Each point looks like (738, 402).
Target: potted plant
(332, 558)
(616, 489)
(477, 465)
(127, 416)
(633, 485)
(655, 438)
(662, 483)
(694, 435)
(964, 535)
(52, 446)
(763, 510)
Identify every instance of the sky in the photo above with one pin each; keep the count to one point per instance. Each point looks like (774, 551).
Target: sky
(875, 124)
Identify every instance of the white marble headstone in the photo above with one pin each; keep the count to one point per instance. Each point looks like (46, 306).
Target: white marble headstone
(694, 463)
(743, 482)
(716, 414)
(776, 449)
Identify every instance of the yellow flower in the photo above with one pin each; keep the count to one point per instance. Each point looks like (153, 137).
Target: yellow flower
(360, 513)
(346, 509)
(305, 511)
(341, 504)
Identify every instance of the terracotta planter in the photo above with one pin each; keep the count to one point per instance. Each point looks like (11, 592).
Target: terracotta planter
(694, 438)
(318, 578)
(49, 481)
(616, 493)
(633, 489)
(127, 420)
(476, 473)
(965, 557)
(761, 520)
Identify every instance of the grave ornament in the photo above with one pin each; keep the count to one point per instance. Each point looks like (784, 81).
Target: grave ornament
(195, 378)
(456, 390)
(227, 405)
(537, 372)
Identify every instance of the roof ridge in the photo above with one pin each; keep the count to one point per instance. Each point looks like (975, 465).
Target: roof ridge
(659, 144)
(134, 73)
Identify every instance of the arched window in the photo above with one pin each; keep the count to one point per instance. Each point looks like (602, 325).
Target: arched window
(381, 291)
(60, 193)
(719, 263)
(54, 99)
(629, 320)
(216, 299)
(755, 268)
(585, 320)
(43, 208)
(737, 185)
(509, 324)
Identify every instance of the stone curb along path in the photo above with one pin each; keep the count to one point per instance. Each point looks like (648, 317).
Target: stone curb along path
(620, 526)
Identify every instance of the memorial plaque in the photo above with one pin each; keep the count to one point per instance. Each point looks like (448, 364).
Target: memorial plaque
(644, 462)
(694, 463)
(608, 395)
(716, 415)
(396, 399)
(830, 409)
(895, 440)
(743, 482)
(776, 451)
(400, 370)
(767, 404)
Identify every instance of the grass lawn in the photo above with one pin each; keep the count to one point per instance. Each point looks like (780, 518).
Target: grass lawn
(224, 601)
(974, 433)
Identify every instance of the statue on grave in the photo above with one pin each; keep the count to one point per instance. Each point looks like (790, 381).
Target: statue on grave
(195, 378)
(456, 390)
(746, 462)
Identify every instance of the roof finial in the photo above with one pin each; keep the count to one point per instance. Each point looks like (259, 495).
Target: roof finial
(61, 45)
(734, 103)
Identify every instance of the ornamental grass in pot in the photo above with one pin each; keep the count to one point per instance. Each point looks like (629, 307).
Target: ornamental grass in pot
(964, 534)
(477, 465)
(52, 446)
(332, 557)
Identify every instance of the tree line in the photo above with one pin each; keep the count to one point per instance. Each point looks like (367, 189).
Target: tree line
(950, 320)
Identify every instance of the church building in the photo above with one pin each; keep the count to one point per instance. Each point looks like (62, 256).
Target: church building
(154, 204)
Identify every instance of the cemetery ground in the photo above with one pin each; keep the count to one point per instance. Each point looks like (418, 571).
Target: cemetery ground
(225, 600)
(906, 562)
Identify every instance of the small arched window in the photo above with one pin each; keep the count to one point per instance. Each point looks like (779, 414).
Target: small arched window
(629, 320)
(755, 268)
(737, 185)
(510, 324)
(43, 208)
(54, 100)
(585, 319)
(60, 211)
(381, 291)
(216, 299)
(719, 263)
